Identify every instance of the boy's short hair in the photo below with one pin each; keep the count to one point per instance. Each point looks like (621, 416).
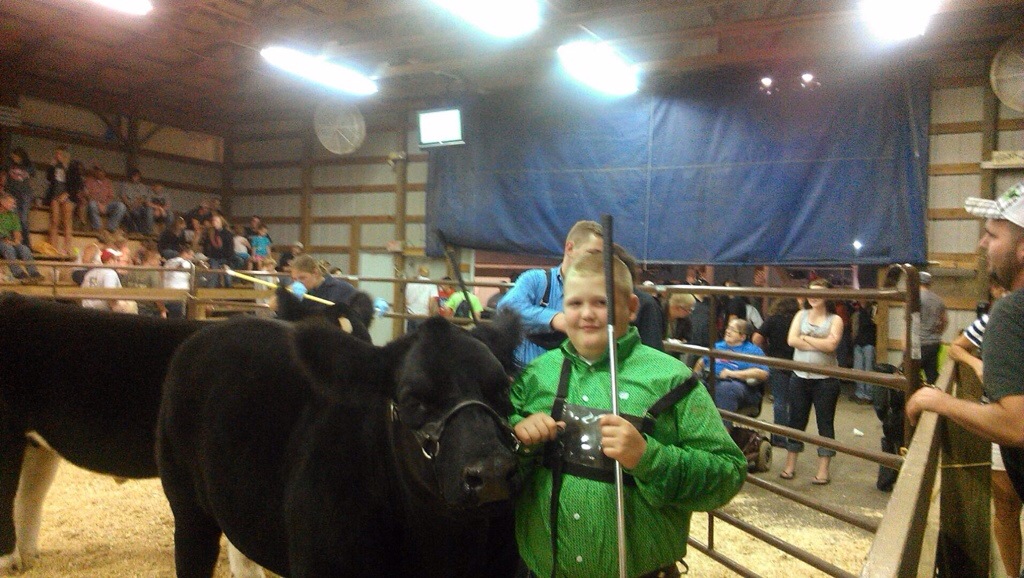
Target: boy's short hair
(306, 264)
(583, 230)
(593, 264)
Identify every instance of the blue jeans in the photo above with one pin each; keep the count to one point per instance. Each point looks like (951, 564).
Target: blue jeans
(115, 212)
(823, 394)
(778, 382)
(23, 207)
(18, 252)
(145, 221)
(863, 359)
(732, 394)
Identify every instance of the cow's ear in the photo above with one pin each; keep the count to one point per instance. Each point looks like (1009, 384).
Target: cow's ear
(502, 336)
(338, 362)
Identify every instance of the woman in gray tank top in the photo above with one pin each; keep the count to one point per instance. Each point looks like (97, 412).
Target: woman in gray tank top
(814, 335)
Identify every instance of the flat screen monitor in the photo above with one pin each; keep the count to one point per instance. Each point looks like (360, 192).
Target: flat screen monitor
(440, 127)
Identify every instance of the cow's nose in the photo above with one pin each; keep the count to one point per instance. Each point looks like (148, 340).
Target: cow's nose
(490, 479)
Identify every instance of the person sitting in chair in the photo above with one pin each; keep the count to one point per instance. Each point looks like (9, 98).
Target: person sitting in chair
(738, 383)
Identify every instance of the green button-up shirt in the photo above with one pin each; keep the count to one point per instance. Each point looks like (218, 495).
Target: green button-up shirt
(691, 464)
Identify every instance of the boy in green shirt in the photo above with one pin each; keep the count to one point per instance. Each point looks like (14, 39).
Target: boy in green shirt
(686, 463)
(12, 245)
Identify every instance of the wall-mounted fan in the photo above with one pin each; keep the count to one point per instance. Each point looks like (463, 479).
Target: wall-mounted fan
(339, 127)
(1007, 74)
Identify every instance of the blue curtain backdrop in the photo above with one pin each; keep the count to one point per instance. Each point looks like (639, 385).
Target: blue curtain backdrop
(715, 173)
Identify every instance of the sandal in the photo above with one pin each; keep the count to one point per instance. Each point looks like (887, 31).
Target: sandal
(820, 482)
(786, 475)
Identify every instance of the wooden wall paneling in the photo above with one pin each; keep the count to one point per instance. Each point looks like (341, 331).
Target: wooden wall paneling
(75, 138)
(227, 175)
(955, 149)
(954, 169)
(131, 145)
(947, 192)
(354, 244)
(308, 147)
(986, 188)
(959, 105)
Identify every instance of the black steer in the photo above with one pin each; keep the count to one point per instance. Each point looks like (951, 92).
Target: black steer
(320, 455)
(87, 383)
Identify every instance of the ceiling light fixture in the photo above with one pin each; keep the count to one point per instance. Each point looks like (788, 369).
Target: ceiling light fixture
(808, 81)
(768, 86)
(501, 18)
(134, 7)
(319, 70)
(895, 21)
(600, 67)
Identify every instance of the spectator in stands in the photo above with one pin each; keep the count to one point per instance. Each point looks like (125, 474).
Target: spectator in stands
(12, 245)
(814, 336)
(242, 248)
(254, 226)
(773, 338)
(147, 279)
(104, 277)
(261, 245)
(99, 192)
(285, 262)
(76, 190)
(59, 199)
(172, 238)
(933, 323)
(218, 246)
(738, 383)
(20, 170)
(268, 266)
(418, 297)
(90, 254)
(178, 275)
(146, 207)
(537, 294)
(199, 218)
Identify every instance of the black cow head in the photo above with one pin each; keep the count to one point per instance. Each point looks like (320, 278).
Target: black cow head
(452, 392)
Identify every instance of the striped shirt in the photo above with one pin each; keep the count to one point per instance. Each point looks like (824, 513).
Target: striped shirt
(976, 332)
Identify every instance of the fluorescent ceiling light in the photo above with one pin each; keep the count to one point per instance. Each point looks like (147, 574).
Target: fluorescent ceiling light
(136, 7)
(501, 18)
(893, 21)
(600, 67)
(319, 70)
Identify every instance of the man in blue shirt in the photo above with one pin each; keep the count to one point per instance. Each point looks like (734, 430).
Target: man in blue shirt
(738, 383)
(537, 294)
